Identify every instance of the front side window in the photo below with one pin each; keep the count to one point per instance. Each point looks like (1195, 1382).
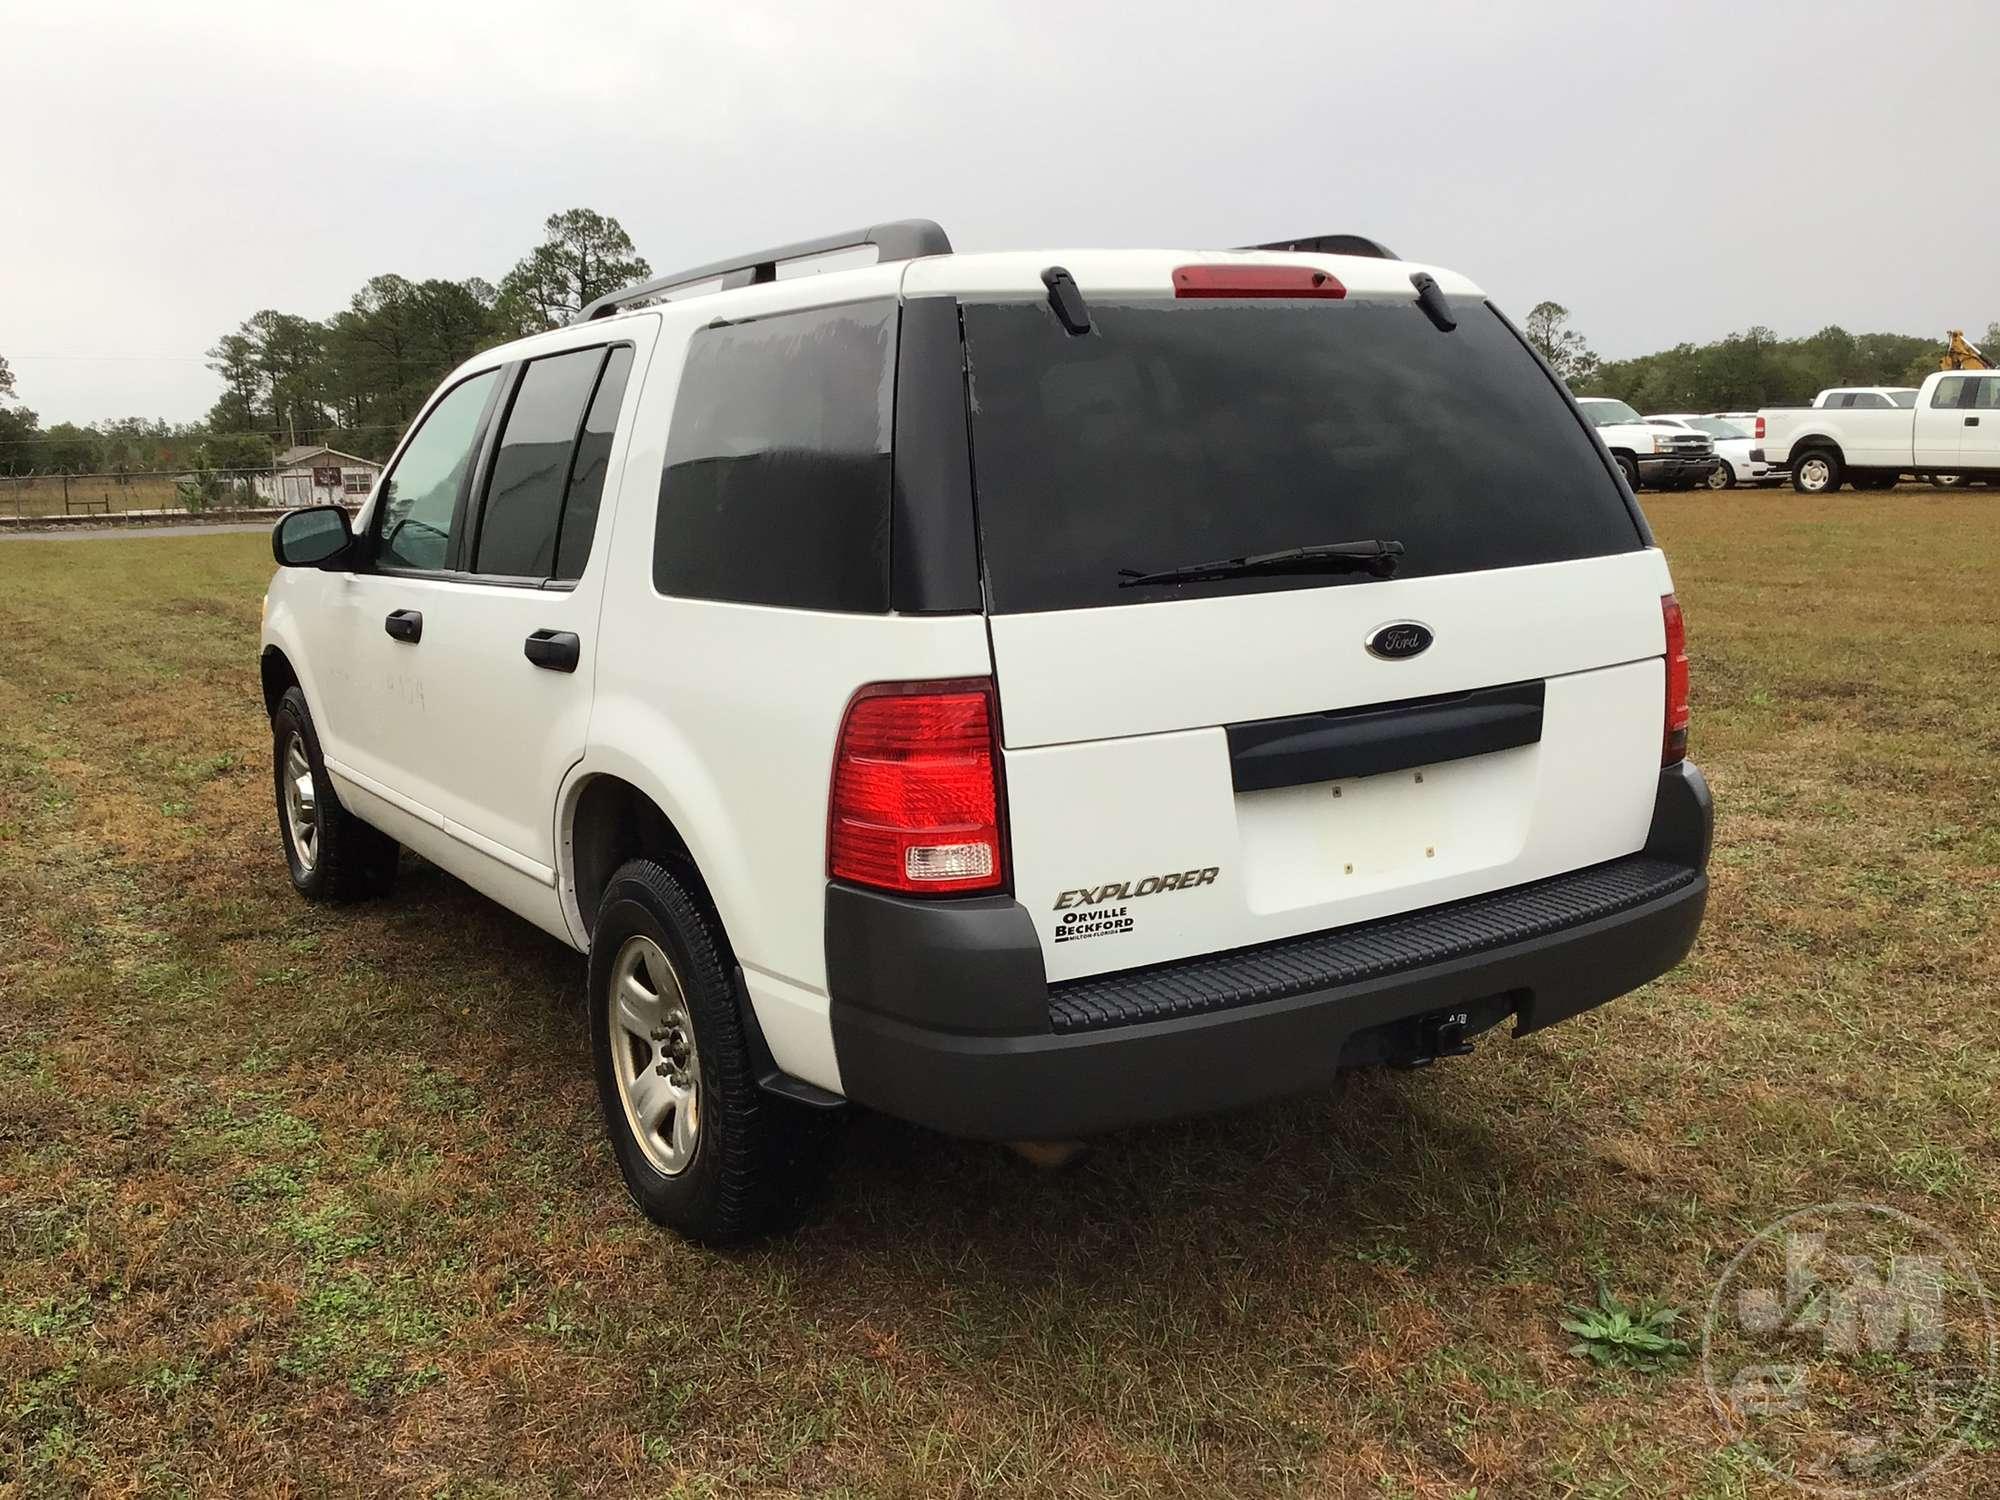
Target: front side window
(1949, 392)
(776, 485)
(517, 527)
(420, 495)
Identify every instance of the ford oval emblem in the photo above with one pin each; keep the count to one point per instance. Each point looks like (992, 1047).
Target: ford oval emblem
(1400, 639)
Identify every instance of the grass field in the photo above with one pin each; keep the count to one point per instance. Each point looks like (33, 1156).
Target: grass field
(298, 1201)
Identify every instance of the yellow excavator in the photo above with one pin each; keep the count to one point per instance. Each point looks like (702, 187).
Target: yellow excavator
(1960, 355)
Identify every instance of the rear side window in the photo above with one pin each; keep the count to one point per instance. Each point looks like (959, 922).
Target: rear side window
(776, 488)
(586, 474)
(1176, 433)
(1985, 394)
(517, 529)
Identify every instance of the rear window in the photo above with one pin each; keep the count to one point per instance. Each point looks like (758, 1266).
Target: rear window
(776, 485)
(1175, 433)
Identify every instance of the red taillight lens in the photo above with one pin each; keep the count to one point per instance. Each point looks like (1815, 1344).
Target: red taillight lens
(1760, 427)
(1674, 741)
(1255, 281)
(916, 789)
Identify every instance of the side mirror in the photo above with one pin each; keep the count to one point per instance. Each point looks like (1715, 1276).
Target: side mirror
(311, 538)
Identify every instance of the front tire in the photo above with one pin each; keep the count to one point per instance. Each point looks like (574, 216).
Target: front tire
(1817, 473)
(331, 854)
(1629, 469)
(1722, 477)
(702, 1148)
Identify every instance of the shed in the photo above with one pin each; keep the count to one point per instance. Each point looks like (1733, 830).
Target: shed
(317, 475)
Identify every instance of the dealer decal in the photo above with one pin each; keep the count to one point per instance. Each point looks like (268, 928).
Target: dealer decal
(1102, 918)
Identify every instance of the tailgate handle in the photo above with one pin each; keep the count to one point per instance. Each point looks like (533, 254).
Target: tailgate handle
(1305, 748)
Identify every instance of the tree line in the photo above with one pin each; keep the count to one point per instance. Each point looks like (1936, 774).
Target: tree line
(352, 381)
(1742, 371)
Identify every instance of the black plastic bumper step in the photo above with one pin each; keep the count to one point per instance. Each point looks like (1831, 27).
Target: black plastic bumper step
(1367, 950)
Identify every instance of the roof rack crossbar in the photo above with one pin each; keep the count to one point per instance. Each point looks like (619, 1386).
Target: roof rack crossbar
(1332, 244)
(901, 239)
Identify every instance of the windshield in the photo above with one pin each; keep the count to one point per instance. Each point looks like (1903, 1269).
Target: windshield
(1716, 427)
(1604, 412)
(1178, 432)
(1903, 398)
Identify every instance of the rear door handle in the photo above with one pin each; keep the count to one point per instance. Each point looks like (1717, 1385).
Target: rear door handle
(405, 625)
(557, 650)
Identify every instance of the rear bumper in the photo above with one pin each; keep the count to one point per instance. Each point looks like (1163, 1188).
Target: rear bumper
(941, 1014)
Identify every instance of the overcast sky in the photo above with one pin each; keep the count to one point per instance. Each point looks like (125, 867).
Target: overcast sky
(1669, 172)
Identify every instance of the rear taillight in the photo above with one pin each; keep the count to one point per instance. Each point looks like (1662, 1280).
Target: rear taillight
(1255, 281)
(1674, 739)
(916, 789)
(1760, 428)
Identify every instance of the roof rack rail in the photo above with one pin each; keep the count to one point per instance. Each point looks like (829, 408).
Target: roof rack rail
(1333, 244)
(901, 239)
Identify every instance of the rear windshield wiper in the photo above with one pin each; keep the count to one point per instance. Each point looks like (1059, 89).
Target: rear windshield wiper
(1378, 558)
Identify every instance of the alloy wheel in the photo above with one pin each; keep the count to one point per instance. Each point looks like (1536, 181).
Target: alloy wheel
(653, 1055)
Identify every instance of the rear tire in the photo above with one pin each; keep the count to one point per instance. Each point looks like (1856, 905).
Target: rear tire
(1817, 473)
(331, 854)
(1947, 481)
(1629, 469)
(702, 1148)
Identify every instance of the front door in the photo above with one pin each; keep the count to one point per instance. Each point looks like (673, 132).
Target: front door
(1940, 426)
(463, 691)
(515, 630)
(1979, 444)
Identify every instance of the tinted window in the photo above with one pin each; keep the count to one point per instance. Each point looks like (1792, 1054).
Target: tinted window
(1904, 399)
(517, 529)
(1949, 392)
(1182, 432)
(1985, 394)
(1868, 398)
(593, 456)
(776, 486)
(420, 494)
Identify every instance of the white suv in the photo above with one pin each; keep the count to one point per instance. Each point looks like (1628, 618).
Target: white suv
(1028, 694)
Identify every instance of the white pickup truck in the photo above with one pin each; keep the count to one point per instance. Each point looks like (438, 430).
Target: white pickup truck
(1953, 428)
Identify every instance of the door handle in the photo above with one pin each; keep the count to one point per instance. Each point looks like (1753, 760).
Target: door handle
(557, 650)
(1972, 421)
(405, 625)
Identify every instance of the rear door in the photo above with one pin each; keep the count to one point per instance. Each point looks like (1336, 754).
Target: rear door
(1208, 765)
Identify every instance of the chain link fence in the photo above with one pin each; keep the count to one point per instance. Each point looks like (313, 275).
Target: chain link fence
(164, 491)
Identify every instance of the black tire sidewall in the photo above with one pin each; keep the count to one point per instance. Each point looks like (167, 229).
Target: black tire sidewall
(292, 717)
(700, 1200)
(1836, 472)
(1631, 472)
